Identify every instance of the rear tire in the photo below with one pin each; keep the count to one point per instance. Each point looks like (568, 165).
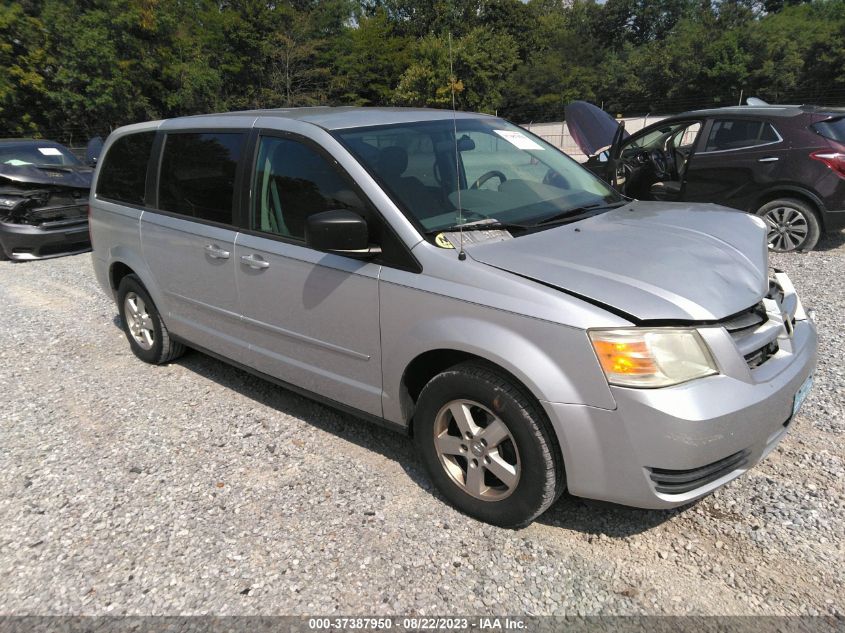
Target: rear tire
(145, 330)
(792, 225)
(487, 445)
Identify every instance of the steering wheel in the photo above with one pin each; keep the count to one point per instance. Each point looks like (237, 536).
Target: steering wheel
(469, 215)
(555, 179)
(494, 173)
(660, 163)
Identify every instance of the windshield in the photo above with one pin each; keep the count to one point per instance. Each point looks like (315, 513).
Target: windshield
(652, 139)
(502, 172)
(36, 154)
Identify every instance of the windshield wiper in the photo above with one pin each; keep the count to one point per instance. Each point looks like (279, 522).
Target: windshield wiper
(573, 213)
(473, 226)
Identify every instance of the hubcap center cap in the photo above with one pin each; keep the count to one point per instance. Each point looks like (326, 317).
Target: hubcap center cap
(477, 449)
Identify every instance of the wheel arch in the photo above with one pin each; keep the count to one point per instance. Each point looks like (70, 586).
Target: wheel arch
(427, 365)
(117, 271)
(551, 362)
(791, 191)
(122, 262)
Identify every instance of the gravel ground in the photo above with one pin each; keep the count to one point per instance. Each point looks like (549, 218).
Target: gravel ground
(195, 488)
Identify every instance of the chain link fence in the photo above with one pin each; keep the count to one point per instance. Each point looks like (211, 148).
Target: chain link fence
(557, 133)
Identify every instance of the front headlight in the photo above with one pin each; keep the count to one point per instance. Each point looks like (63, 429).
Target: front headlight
(7, 202)
(659, 357)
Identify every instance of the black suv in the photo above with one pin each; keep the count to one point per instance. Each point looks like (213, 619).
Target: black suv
(783, 163)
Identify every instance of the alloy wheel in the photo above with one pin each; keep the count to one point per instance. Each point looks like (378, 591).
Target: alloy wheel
(787, 228)
(476, 450)
(138, 321)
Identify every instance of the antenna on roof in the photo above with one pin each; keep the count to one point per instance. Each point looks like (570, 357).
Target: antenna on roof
(461, 254)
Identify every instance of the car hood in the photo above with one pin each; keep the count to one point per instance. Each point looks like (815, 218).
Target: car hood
(76, 176)
(590, 127)
(650, 261)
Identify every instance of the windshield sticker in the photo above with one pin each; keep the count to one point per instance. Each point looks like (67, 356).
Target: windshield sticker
(442, 242)
(49, 151)
(518, 139)
(476, 237)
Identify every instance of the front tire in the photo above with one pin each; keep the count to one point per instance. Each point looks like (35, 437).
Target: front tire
(792, 225)
(145, 330)
(487, 445)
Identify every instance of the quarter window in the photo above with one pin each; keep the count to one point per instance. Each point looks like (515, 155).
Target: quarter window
(834, 129)
(292, 182)
(123, 175)
(739, 133)
(198, 174)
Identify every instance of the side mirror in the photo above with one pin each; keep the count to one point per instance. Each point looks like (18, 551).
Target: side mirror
(341, 232)
(604, 156)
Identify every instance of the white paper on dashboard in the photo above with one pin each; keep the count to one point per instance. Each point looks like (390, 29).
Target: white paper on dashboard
(49, 151)
(518, 139)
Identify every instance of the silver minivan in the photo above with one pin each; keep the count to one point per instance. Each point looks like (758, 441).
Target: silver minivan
(452, 276)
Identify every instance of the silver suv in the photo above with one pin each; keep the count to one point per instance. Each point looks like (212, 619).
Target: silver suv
(458, 279)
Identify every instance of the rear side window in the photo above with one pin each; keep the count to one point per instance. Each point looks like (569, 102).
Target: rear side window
(739, 133)
(197, 177)
(834, 129)
(293, 181)
(123, 174)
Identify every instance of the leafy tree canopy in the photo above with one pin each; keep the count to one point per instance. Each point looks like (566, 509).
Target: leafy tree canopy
(74, 68)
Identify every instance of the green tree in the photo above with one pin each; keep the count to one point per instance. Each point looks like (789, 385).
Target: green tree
(23, 57)
(369, 58)
(294, 72)
(480, 60)
(93, 65)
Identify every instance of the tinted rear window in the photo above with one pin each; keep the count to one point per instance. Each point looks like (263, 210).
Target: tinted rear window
(834, 129)
(123, 175)
(198, 174)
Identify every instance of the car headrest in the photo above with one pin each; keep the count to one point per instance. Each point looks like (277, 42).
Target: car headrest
(392, 161)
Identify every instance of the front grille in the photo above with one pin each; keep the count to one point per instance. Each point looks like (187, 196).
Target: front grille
(760, 356)
(52, 214)
(755, 331)
(754, 334)
(747, 321)
(676, 482)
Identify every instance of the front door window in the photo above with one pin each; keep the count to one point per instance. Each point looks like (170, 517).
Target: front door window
(292, 182)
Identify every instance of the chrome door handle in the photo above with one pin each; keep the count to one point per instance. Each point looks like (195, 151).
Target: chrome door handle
(215, 252)
(254, 262)
(768, 159)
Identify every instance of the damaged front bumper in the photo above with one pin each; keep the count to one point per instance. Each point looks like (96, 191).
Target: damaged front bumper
(22, 242)
(43, 223)
(666, 447)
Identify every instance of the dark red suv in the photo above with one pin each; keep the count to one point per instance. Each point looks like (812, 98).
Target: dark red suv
(783, 163)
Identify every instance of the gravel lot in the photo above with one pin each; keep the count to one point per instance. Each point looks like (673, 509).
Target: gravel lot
(196, 488)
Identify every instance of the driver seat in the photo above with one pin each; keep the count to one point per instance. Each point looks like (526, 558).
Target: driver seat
(668, 190)
(413, 194)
